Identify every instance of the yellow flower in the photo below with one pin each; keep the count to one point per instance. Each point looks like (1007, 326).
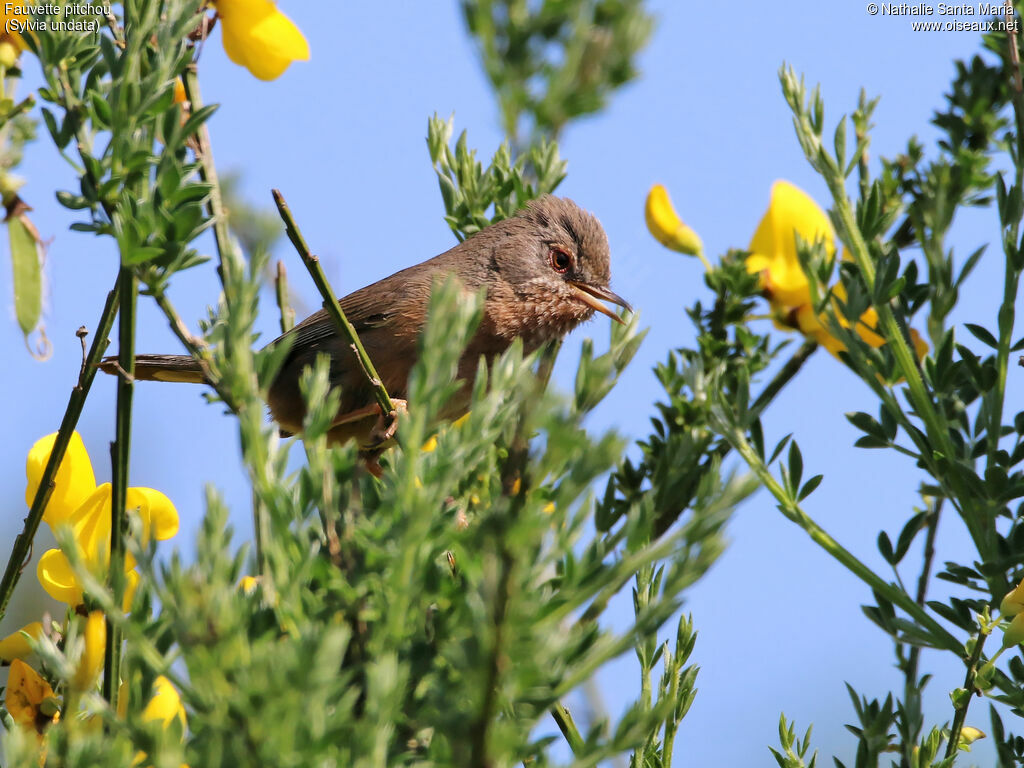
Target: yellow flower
(248, 584)
(165, 704)
(29, 699)
(773, 255)
(665, 225)
(79, 504)
(1014, 634)
(11, 43)
(969, 735)
(1013, 603)
(259, 37)
(72, 484)
(91, 662)
(16, 645)
(773, 251)
(431, 443)
(163, 707)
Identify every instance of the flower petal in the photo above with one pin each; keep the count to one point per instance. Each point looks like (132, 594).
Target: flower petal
(165, 704)
(73, 482)
(920, 345)
(25, 691)
(131, 583)
(259, 37)
(811, 325)
(90, 664)
(55, 574)
(16, 645)
(91, 526)
(665, 225)
(158, 514)
(790, 212)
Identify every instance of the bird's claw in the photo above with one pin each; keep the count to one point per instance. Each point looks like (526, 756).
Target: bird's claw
(387, 424)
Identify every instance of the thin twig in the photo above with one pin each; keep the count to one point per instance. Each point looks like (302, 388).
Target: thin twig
(23, 543)
(22, 106)
(195, 346)
(331, 304)
(910, 685)
(208, 173)
(82, 333)
(563, 717)
(961, 711)
(787, 372)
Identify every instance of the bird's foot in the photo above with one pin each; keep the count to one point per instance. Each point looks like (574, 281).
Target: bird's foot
(387, 424)
(380, 435)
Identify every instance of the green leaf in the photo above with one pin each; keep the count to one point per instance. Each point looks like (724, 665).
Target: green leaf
(982, 335)
(71, 200)
(867, 424)
(796, 465)
(885, 548)
(778, 448)
(809, 487)
(100, 110)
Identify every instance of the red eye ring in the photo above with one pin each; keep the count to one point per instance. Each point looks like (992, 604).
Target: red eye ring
(560, 260)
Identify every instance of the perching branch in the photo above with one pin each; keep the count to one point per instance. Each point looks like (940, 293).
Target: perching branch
(331, 304)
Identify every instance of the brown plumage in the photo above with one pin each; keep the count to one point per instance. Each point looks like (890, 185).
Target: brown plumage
(543, 269)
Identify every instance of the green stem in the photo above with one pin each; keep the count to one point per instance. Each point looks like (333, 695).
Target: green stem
(120, 451)
(668, 743)
(704, 260)
(563, 718)
(961, 711)
(23, 543)
(782, 378)
(911, 689)
(1011, 276)
(208, 173)
(22, 106)
(921, 400)
(792, 510)
(331, 305)
(195, 346)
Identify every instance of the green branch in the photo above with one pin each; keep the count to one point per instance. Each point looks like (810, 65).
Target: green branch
(120, 452)
(792, 510)
(208, 173)
(960, 715)
(331, 305)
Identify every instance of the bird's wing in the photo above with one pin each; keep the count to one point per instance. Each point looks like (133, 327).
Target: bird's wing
(369, 308)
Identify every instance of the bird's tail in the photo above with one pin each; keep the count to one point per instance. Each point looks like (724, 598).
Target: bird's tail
(176, 368)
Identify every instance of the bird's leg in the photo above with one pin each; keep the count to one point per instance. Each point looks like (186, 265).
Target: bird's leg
(387, 424)
(383, 431)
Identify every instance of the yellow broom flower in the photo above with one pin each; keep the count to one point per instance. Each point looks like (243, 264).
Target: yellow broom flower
(259, 37)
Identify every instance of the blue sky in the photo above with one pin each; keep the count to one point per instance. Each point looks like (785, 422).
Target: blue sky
(343, 137)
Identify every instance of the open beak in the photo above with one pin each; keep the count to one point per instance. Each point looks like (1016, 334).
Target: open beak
(589, 295)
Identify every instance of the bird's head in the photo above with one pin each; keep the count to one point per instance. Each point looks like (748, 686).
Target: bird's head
(558, 265)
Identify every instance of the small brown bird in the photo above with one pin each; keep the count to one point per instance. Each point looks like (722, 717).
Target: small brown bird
(545, 270)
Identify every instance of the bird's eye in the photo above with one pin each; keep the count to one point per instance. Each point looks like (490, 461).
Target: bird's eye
(560, 260)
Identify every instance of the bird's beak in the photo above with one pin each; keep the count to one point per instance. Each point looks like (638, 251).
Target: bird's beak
(589, 295)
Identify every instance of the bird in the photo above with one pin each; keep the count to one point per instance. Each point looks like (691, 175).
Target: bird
(546, 270)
